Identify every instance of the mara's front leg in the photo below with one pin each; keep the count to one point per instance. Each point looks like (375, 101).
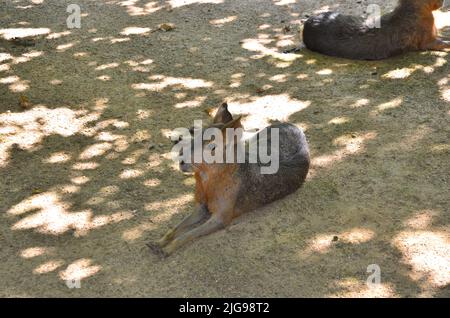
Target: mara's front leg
(212, 225)
(439, 45)
(192, 220)
(222, 213)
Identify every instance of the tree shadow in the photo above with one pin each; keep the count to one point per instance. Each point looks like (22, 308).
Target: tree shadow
(83, 192)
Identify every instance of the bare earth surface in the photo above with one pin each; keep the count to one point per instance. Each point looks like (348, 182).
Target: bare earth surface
(81, 192)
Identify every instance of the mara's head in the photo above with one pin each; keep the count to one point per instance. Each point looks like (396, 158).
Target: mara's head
(199, 145)
(428, 5)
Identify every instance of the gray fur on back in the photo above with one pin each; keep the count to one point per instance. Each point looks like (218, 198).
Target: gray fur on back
(258, 189)
(346, 36)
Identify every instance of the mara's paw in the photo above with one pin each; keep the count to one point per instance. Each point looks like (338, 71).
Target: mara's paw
(157, 250)
(439, 45)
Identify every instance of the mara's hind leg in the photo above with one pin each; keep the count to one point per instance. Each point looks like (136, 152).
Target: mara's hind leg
(439, 45)
(192, 220)
(213, 224)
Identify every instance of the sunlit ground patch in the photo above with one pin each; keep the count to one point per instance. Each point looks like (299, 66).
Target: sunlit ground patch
(324, 242)
(167, 81)
(428, 254)
(79, 270)
(181, 3)
(48, 267)
(28, 128)
(350, 145)
(353, 288)
(34, 252)
(268, 108)
(135, 31)
(134, 9)
(22, 32)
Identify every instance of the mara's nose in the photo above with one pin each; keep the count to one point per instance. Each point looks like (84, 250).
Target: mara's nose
(182, 162)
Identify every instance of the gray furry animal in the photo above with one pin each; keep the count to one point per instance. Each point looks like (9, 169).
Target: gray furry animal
(410, 27)
(224, 191)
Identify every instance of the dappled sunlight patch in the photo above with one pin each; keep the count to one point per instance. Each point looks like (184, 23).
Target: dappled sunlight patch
(134, 9)
(48, 214)
(34, 252)
(143, 114)
(48, 267)
(151, 183)
(58, 157)
(223, 21)
(9, 79)
(104, 78)
(69, 189)
(52, 217)
(172, 203)
(198, 101)
(28, 128)
(350, 145)
(79, 270)
(428, 254)
(65, 47)
(85, 166)
(181, 3)
(12, 33)
(119, 40)
(280, 78)
(137, 231)
(267, 108)
(134, 157)
(395, 103)
(106, 66)
(284, 2)
(444, 86)
(55, 82)
(135, 31)
(103, 220)
(5, 57)
(325, 71)
(440, 149)
(95, 150)
(340, 120)
(399, 73)
(121, 144)
(167, 81)
(406, 72)
(259, 46)
(354, 288)
(57, 35)
(323, 243)
(108, 190)
(80, 180)
(140, 136)
(421, 220)
(360, 103)
(4, 67)
(357, 236)
(131, 173)
(446, 94)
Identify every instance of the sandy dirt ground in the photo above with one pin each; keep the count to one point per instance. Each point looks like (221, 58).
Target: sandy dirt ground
(86, 180)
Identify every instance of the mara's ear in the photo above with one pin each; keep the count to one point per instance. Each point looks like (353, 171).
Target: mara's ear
(234, 123)
(222, 116)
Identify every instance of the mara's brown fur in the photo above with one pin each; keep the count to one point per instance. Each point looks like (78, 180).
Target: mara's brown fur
(410, 27)
(223, 191)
